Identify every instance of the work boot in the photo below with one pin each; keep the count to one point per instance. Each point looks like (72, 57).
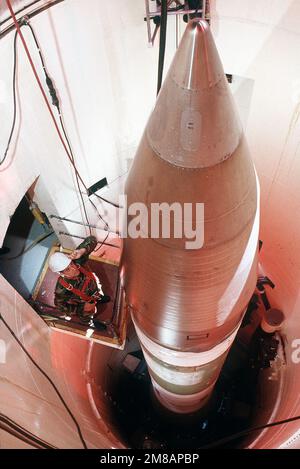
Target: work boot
(85, 319)
(99, 325)
(104, 299)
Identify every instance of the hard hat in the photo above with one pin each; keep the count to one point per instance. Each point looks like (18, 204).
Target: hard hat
(58, 262)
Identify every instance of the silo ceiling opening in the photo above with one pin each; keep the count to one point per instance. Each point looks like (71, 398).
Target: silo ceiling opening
(150, 224)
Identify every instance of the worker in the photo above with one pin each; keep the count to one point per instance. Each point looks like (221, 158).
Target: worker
(78, 290)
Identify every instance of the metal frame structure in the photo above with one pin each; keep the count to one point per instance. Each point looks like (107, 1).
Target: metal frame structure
(175, 7)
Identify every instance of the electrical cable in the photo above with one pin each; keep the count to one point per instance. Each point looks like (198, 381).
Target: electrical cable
(55, 102)
(19, 11)
(51, 88)
(25, 22)
(162, 42)
(14, 100)
(10, 426)
(77, 180)
(101, 244)
(25, 7)
(111, 182)
(48, 379)
(107, 201)
(242, 433)
(40, 86)
(100, 216)
(81, 237)
(30, 14)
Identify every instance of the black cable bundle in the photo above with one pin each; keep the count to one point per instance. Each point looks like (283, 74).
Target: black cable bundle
(162, 42)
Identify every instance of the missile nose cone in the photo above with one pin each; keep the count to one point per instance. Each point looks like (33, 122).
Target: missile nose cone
(197, 65)
(194, 123)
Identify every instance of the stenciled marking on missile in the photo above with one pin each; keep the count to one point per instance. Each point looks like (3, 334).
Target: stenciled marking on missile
(163, 220)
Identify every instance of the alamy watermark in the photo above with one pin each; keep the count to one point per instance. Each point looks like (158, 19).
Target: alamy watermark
(163, 220)
(2, 351)
(296, 353)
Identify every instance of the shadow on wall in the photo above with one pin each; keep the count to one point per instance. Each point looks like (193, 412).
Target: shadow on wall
(20, 269)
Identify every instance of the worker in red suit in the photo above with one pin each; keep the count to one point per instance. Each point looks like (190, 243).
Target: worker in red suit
(78, 290)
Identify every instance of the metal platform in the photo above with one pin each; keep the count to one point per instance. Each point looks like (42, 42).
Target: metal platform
(109, 327)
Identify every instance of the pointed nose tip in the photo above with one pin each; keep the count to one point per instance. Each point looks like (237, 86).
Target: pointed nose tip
(197, 65)
(194, 123)
(199, 25)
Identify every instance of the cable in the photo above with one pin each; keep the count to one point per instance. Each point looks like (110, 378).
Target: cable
(33, 12)
(31, 245)
(48, 379)
(234, 436)
(51, 88)
(12, 427)
(162, 42)
(108, 201)
(55, 102)
(40, 85)
(81, 237)
(76, 176)
(110, 183)
(100, 216)
(14, 100)
(103, 242)
(25, 22)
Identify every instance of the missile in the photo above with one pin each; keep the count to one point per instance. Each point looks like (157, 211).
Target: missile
(187, 300)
